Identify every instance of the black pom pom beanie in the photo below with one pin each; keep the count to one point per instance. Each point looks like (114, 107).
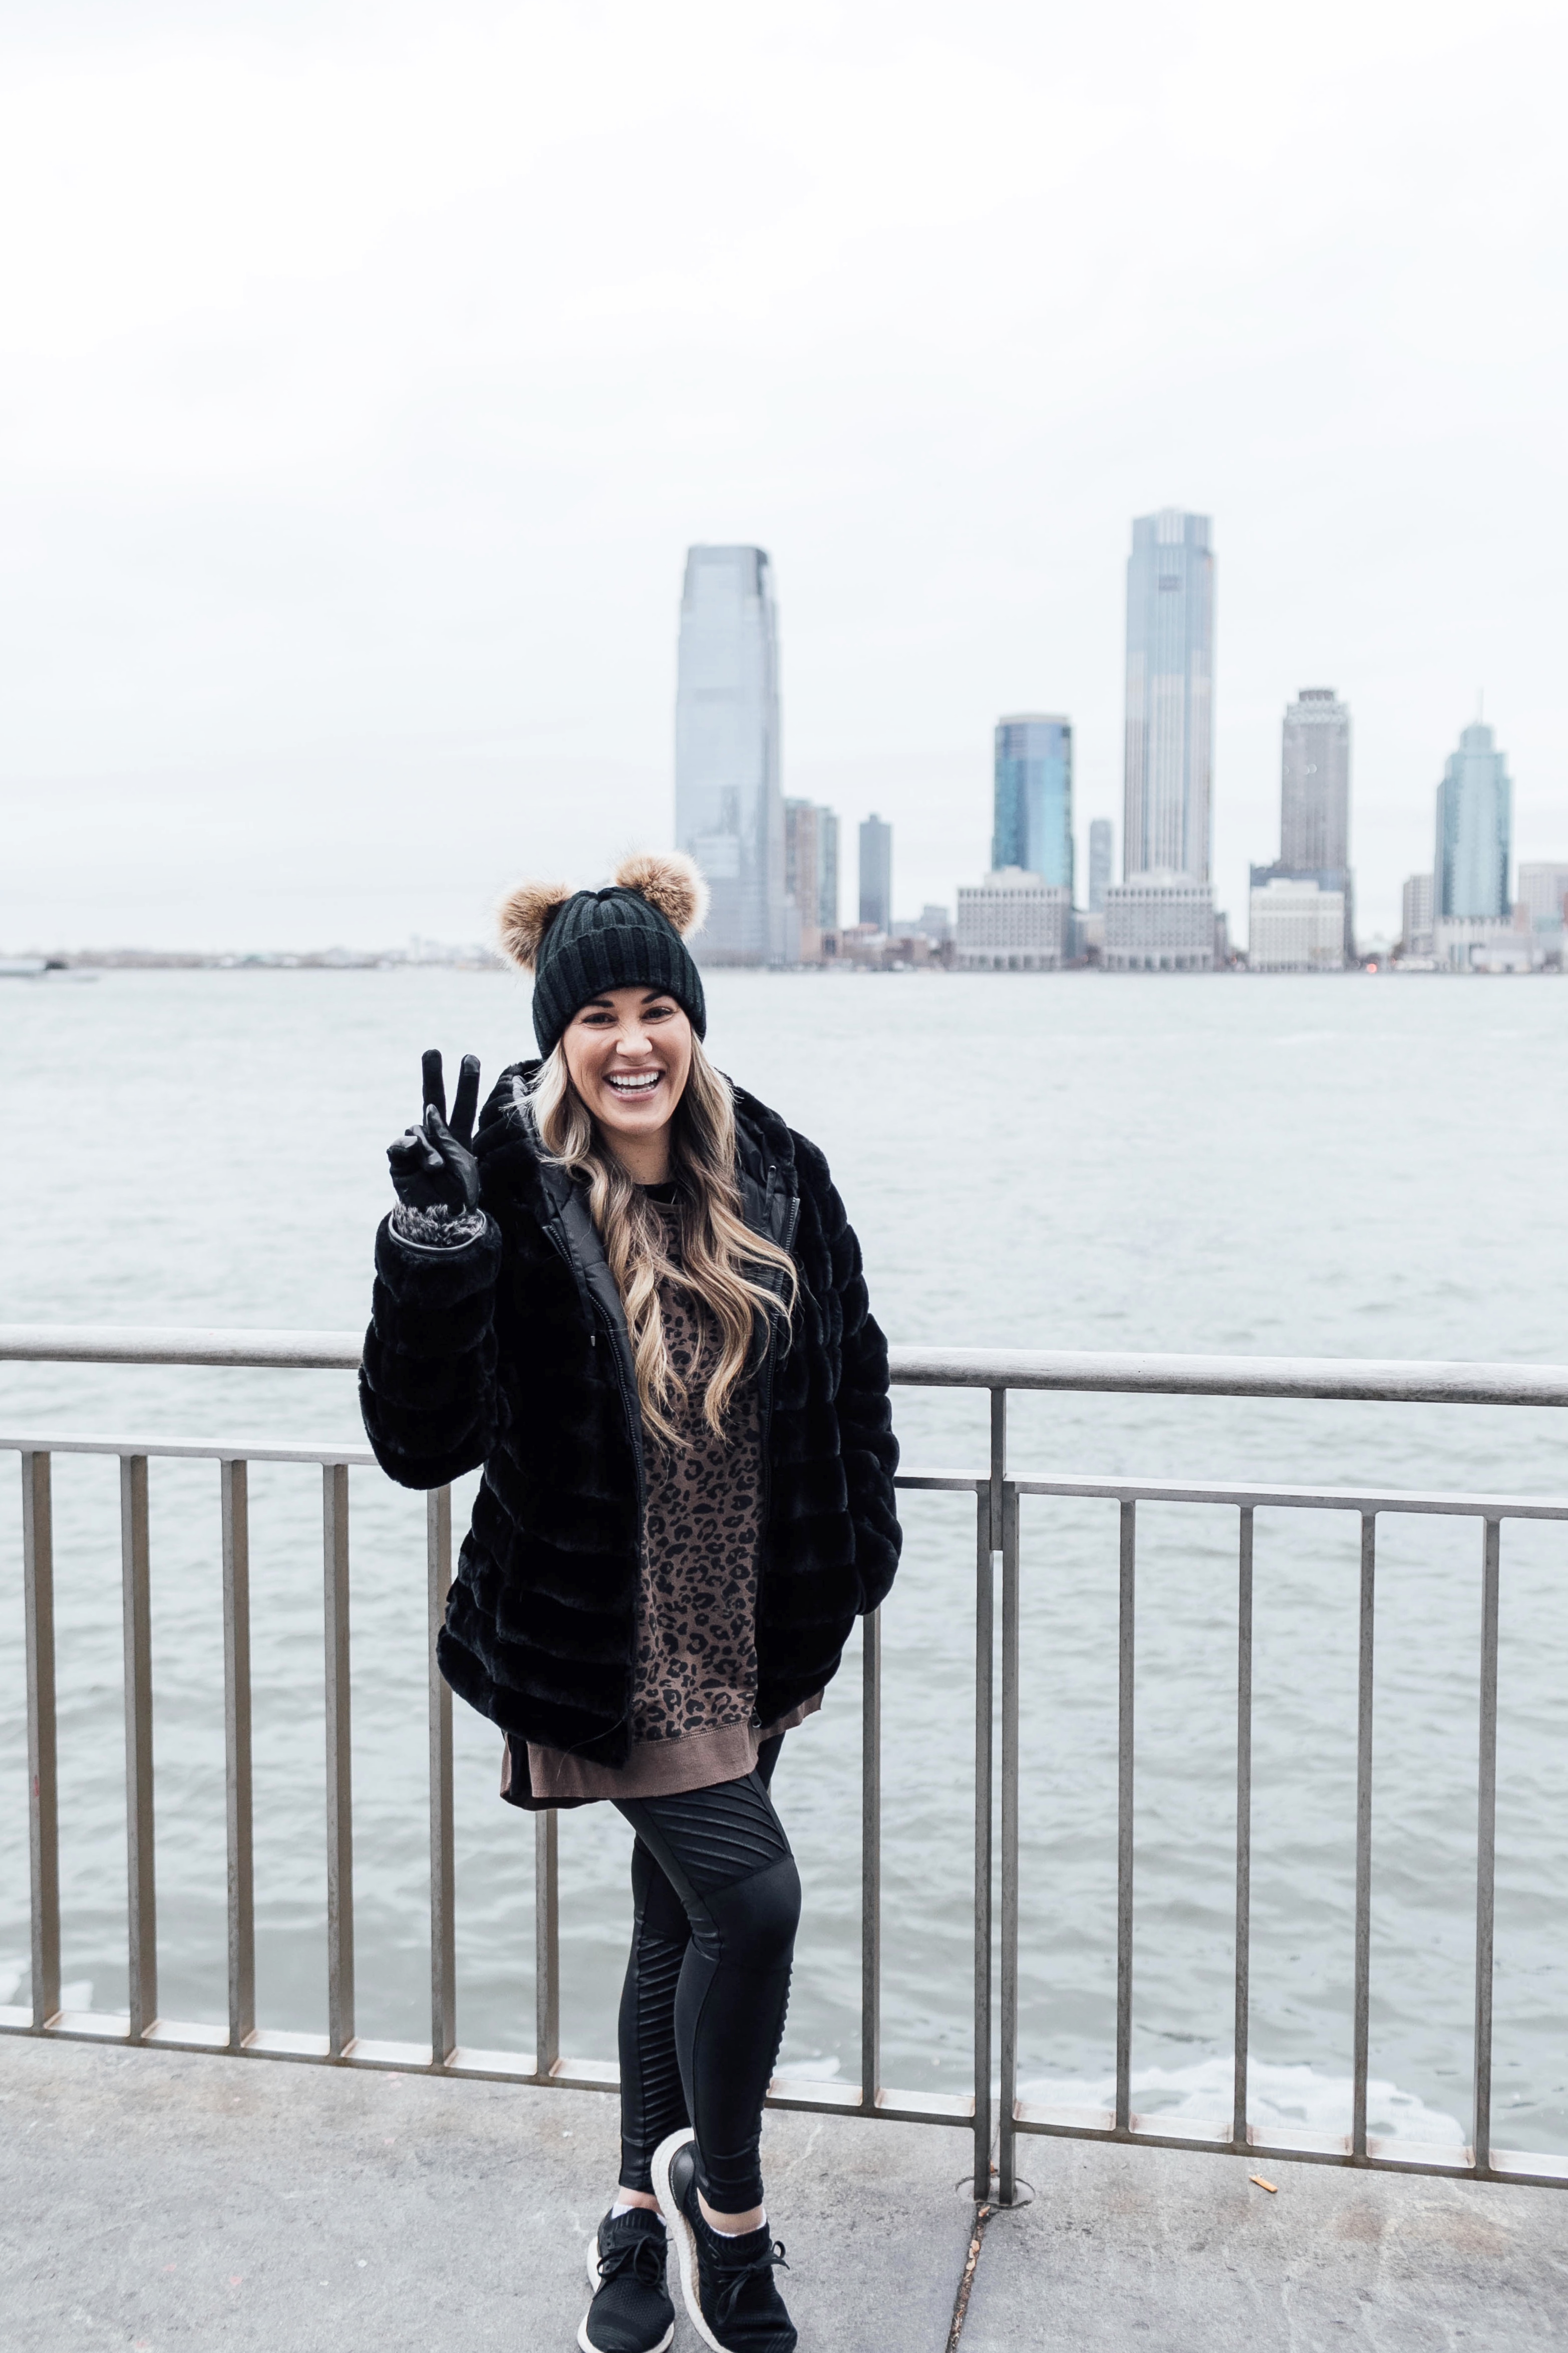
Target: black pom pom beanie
(607, 939)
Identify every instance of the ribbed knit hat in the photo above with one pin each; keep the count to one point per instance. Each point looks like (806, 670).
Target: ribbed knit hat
(578, 943)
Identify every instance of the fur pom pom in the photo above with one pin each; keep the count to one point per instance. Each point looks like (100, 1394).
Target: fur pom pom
(670, 882)
(525, 915)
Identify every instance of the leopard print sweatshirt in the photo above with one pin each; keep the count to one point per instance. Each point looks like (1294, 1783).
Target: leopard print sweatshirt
(694, 1721)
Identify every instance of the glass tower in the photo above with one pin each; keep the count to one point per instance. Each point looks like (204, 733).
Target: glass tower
(729, 812)
(1474, 830)
(1169, 696)
(1032, 826)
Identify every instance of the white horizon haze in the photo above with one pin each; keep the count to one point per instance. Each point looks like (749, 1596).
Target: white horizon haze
(367, 375)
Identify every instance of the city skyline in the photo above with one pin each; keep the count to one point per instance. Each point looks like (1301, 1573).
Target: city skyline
(772, 860)
(282, 570)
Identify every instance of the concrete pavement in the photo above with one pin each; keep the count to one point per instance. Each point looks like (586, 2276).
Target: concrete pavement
(157, 2200)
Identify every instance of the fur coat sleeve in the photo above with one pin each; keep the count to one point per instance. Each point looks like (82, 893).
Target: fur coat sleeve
(867, 1447)
(427, 1382)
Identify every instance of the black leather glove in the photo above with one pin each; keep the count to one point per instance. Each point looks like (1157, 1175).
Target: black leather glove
(431, 1166)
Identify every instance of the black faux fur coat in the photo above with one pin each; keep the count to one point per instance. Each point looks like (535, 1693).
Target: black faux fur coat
(510, 1351)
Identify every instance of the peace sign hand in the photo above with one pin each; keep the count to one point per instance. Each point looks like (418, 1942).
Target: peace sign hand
(432, 1165)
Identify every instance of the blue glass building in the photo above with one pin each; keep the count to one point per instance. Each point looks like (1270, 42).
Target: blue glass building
(1474, 830)
(1032, 826)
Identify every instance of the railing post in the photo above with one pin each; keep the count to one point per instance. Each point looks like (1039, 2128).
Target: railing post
(1124, 1788)
(141, 1908)
(442, 1922)
(1361, 2033)
(1006, 2149)
(43, 1796)
(235, 1500)
(984, 1637)
(339, 1780)
(546, 1944)
(1486, 1844)
(871, 1860)
(1243, 1827)
(995, 1493)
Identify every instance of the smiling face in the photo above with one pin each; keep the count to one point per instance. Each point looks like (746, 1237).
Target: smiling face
(629, 1055)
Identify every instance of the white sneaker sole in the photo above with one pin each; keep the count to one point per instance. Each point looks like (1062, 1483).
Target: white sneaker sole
(682, 2237)
(585, 2341)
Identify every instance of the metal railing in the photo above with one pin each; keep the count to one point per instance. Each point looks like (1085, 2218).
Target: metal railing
(996, 1491)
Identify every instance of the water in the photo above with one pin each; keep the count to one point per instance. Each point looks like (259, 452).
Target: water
(1325, 1167)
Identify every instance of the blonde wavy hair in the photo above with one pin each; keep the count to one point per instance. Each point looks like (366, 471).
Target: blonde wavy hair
(718, 1252)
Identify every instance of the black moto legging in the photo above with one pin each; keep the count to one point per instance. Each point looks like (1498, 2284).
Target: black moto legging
(717, 1901)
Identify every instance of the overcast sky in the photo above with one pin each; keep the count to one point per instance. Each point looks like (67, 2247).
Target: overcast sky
(367, 369)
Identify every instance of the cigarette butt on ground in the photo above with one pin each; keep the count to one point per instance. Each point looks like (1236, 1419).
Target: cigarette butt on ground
(1272, 2187)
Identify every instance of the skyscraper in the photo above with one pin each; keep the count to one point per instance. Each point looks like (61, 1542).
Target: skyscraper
(1032, 825)
(1101, 835)
(1315, 782)
(1315, 804)
(811, 864)
(1542, 890)
(877, 873)
(1169, 696)
(1474, 830)
(729, 812)
(827, 869)
(1415, 916)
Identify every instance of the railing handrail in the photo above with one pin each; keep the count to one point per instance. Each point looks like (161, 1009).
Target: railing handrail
(1367, 1380)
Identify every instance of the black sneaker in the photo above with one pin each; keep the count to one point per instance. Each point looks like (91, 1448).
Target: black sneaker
(728, 2283)
(631, 2311)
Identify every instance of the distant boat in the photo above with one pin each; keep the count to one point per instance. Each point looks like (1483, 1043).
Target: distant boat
(40, 968)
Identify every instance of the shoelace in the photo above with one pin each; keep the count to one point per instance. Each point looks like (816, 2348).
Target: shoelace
(631, 2257)
(733, 2277)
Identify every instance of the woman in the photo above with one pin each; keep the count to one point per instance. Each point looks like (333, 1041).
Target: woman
(632, 1296)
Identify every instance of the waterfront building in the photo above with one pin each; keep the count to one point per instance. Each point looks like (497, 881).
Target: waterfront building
(1089, 938)
(1542, 889)
(1170, 698)
(934, 923)
(1032, 818)
(1101, 838)
(1334, 882)
(1416, 916)
(877, 873)
(1487, 943)
(1160, 923)
(1475, 831)
(729, 810)
(1013, 922)
(1295, 926)
(811, 872)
